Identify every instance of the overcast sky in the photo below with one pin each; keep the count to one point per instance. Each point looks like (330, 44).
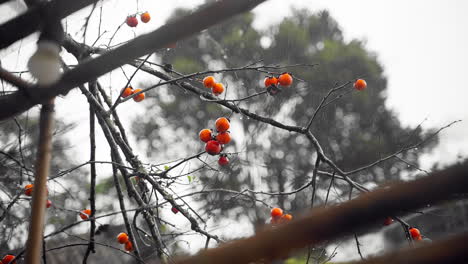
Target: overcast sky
(422, 45)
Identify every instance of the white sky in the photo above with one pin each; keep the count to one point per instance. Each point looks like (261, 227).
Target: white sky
(422, 45)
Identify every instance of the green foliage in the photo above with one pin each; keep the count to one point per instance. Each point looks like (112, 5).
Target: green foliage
(186, 65)
(103, 186)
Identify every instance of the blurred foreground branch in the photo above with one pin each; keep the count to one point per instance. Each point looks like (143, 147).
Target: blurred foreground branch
(326, 224)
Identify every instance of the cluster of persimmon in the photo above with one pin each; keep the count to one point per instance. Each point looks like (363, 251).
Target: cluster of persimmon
(28, 191)
(122, 238)
(7, 259)
(129, 91)
(274, 83)
(216, 141)
(132, 21)
(210, 83)
(277, 216)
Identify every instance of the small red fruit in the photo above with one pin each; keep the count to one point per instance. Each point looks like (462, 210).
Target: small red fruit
(28, 189)
(209, 81)
(418, 238)
(274, 220)
(127, 92)
(414, 232)
(217, 89)
(360, 85)
(388, 221)
(128, 246)
(276, 212)
(145, 17)
(138, 97)
(48, 204)
(223, 160)
(285, 79)
(205, 135)
(269, 81)
(174, 210)
(224, 137)
(132, 21)
(286, 217)
(122, 238)
(85, 214)
(213, 147)
(7, 259)
(172, 45)
(222, 124)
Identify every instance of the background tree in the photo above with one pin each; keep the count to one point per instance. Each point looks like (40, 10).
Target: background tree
(18, 138)
(356, 130)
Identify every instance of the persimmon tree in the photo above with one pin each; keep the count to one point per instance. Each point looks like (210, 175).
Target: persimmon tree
(292, 127)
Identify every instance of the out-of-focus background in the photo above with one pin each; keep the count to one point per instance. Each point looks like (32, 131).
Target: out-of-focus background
(412, 55)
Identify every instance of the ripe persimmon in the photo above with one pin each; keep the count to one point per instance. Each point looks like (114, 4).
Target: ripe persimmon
(128, 246)
(360, 84)
(205, 135)
(223, 160)
(7, 259)
(269, 81)
(85, 214)
(223, 137)
(414, 232)
(222, 124)
(127, 92)
(388, 221)
(285, 79)
(276, 212)
(145, 17)
(274, 220)
(209, 81)
(217, 89)
(28, 189)
(172, 45)
(131, 21)
(286, 217)
(213, 147)
(122, 238)
(138, 97)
